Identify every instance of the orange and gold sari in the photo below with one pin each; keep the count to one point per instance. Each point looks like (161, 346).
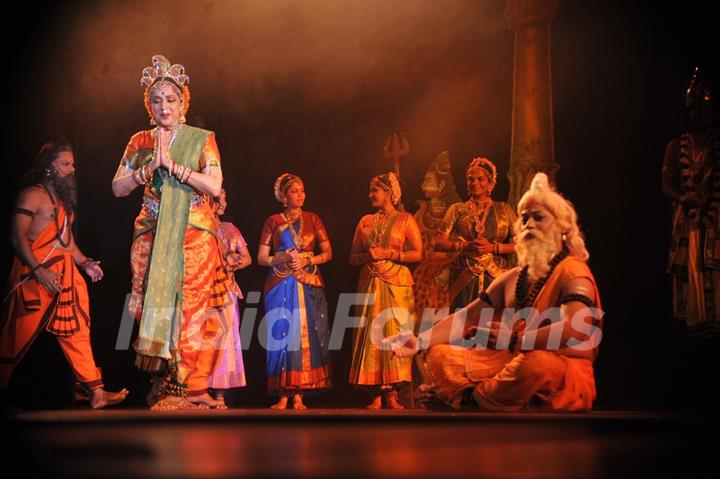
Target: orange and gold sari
(180, 288)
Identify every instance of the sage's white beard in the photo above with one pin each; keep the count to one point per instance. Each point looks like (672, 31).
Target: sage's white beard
(537, 252)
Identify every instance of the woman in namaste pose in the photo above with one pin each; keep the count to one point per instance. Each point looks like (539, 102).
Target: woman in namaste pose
(180, 288)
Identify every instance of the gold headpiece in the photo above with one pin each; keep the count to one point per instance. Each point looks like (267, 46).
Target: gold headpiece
(441, 165)
(488, 166)
(161, 69)
(160, 73)
(700, 92)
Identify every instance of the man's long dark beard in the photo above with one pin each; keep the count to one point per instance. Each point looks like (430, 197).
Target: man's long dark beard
(66, 189)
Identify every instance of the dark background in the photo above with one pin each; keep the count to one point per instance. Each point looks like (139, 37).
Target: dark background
(315, 88)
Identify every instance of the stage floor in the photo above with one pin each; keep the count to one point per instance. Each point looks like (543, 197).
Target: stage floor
(354, 442)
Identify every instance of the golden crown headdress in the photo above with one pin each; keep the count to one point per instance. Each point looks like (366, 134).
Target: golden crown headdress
(161, 69)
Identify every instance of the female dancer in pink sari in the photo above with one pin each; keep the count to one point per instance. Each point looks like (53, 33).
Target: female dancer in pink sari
(229, 371)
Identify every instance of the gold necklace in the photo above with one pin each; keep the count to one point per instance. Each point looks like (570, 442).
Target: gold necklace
(379, 227)
(480, 211)
(297, 235)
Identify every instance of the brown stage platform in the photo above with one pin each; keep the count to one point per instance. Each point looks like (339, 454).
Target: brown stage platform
(354, 442)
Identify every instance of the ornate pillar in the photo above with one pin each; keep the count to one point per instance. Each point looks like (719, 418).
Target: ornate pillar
(532, 146)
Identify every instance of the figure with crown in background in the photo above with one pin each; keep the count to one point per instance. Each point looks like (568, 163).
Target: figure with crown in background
(180, 286)
(691, 178)
(432, 274)
(478, 233)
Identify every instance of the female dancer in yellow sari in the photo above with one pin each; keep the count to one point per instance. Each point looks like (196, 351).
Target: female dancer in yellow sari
(383, 242)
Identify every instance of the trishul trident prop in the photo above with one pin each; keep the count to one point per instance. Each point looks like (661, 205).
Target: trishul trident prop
(395, 148)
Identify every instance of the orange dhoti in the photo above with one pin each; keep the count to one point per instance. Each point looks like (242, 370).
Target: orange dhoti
(30, 308)
(507, 381)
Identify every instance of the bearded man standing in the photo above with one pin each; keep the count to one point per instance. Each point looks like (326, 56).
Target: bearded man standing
(47, 290)
(536, 329)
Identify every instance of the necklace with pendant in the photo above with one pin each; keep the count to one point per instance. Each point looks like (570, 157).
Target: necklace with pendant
(481, 210)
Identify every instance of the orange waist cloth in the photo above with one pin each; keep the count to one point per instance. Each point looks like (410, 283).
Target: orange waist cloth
(30, 307)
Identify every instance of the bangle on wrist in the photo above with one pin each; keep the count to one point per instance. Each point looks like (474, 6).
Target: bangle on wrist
(401, 256)
(137, 178)
(269, 260)
(147, 174)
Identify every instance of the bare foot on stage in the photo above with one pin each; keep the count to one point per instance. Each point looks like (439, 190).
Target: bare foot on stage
(281, 404)
(391, 401)
(207, 401)
(298, 403)
(99, 398)
(219, 395)
(429, 399)
(375, 404)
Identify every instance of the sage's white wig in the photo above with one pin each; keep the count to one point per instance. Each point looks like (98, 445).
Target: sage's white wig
(542, 193)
